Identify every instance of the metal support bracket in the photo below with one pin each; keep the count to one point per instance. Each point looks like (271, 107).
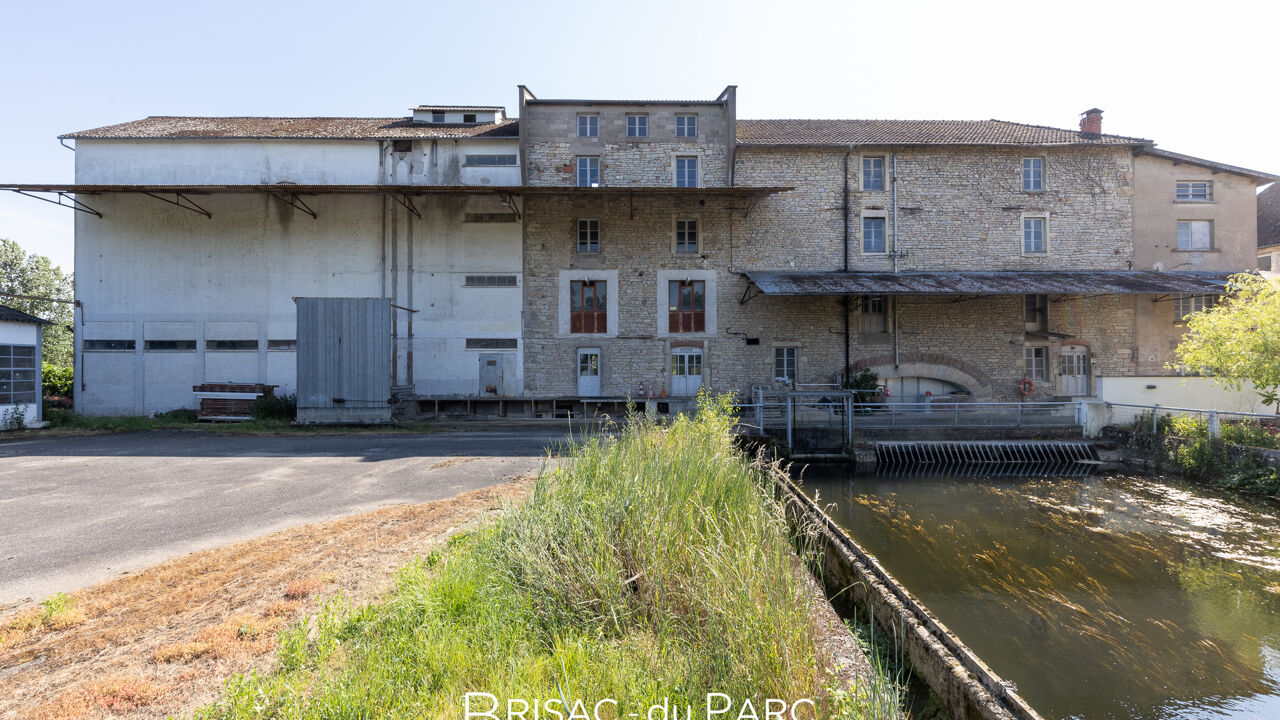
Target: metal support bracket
(179, 200)
(748, 295)
(509, 200)
(72, 203)
(294, 201)
(407, 203)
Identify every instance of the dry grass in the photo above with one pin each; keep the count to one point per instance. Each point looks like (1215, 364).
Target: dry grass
(161, 641)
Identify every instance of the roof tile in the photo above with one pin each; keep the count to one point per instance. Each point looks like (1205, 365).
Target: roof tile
(317, 128)
(916, 132)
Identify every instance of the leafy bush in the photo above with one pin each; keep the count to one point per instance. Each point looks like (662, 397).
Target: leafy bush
(276, 407)
(57, 381)
(862, 379)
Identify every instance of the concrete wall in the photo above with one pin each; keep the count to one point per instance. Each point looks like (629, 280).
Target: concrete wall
(150, 271)
(552, 144)
(12, 333)
(1187, 392)
(1156, 212)
(444, 162)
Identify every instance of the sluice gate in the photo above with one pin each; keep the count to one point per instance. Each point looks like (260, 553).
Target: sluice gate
(987, 457)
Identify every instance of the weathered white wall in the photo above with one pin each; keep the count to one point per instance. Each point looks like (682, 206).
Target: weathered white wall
(1187, 392)
(443, 162)
(226, 162)
(148, 270)
(12, 333)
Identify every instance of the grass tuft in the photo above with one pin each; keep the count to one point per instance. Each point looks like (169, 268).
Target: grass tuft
(651, 566)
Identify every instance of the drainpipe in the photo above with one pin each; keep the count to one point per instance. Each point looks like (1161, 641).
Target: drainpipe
(894, 182)
(845, 305)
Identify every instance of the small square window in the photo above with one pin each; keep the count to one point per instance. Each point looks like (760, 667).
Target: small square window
(469, 118)
(874, 316)
(1195, 234)
(282, 345)
(437, 117)
(401, 146)
(588, 126)
(1035, 236)
(1195, 191)
(588, 172)
(1032, 174)
(637, 126)
(588, 236)
(686, 126)
(170, 346)
(784, 364)
(687, 172)
(686, 236)
(1035, 364)
(873, 173)
(873, 240)
(1184, 305)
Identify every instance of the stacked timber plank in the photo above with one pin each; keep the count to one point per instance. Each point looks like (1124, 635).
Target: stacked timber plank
(229, 402)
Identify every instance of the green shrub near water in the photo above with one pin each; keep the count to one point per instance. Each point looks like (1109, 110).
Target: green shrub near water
(1211, 459)
(652, 566)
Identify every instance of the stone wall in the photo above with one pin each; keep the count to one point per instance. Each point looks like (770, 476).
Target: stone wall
(552, 144)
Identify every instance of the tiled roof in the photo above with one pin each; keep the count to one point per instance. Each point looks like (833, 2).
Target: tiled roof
(916, 132)
(462, 108)
(1269, 216)
(8, 314)
(311, 128)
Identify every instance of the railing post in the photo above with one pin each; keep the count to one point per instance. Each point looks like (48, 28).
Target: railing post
(1155, 414)
(1019, 414)
(956, 405)
(848, 420)
(790, 419)
(893, 418)
(1215, 430)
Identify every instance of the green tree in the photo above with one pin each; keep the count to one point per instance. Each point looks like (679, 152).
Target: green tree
(35, 276)
(1239, 338)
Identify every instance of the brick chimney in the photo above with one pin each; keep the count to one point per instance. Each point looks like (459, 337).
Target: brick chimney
(1091, 122)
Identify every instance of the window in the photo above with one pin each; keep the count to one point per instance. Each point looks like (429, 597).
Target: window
(686, 236)
(686, 126)
(170, 346)
(489, 217)
(1035, 235)
(437, 117)
(1032, 174)
(282, 345)
(1195, 234)
(873, 173)
(108, 345)
(1195, 191)
(784, 364)
(1264, 262)
(492, 343)
(588, 126)
(230, 345)
(687, 306)
(874, 317)
(491, 160)
(686, 172)
(1036, 312)
(873, 235)
(1036, 363)
(489, 281)
(18, 374)
(637, 126)
(588, 306)
(469, 117)
(588, 172)
(401, 146)
(588, 236)
(1184, 305)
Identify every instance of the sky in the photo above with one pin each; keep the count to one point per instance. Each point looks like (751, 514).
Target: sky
(1193, 76)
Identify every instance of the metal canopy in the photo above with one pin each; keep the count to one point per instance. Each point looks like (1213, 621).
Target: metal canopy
(296, 189)
(1009, 282)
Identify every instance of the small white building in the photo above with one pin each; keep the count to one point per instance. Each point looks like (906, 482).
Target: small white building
(20, 336)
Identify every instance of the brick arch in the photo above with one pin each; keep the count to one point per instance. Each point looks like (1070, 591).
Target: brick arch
(933, 365)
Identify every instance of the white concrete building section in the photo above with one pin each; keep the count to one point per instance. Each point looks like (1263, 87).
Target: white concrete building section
(20, 382)
(171, 298)
(1186, 392)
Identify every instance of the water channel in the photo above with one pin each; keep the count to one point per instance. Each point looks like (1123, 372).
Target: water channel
(1100, 597)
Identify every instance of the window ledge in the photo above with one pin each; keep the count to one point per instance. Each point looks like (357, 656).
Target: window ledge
(1034, 192)
(1206, 250)
(1195, 202)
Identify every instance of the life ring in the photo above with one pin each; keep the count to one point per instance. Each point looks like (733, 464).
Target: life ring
(1026, 386)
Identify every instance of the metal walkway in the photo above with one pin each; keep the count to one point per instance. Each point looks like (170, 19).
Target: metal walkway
(987, 457)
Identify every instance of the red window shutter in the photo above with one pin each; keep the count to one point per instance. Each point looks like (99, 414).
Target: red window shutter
(575, 322)
(699, 321)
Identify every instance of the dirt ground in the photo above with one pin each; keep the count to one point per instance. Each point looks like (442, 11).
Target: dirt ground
(162, 641)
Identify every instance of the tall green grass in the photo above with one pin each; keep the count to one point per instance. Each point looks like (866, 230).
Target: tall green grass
(651, 566)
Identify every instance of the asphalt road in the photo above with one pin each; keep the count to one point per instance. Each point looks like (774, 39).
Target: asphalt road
(75, 511)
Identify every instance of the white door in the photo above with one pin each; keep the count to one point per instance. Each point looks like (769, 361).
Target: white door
(588, 372)
(1073, 370)
(686, 371)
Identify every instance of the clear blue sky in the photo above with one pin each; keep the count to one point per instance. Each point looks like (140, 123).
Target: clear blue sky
(1196, 77)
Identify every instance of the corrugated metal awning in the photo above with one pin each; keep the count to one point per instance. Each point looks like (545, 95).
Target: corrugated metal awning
(1007, 282)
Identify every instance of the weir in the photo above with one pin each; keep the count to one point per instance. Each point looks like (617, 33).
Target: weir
(1008, 455)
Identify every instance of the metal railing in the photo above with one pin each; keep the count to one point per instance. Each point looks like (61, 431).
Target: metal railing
(1148, 417)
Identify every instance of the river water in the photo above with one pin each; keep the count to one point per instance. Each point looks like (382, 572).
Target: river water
(1100, 597)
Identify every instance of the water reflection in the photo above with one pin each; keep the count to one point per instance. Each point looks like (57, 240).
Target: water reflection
(1100, 597)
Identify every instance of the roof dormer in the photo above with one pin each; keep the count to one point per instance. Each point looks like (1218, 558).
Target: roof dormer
(459, 114)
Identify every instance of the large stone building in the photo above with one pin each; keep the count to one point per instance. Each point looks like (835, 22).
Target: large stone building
(606, 249)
